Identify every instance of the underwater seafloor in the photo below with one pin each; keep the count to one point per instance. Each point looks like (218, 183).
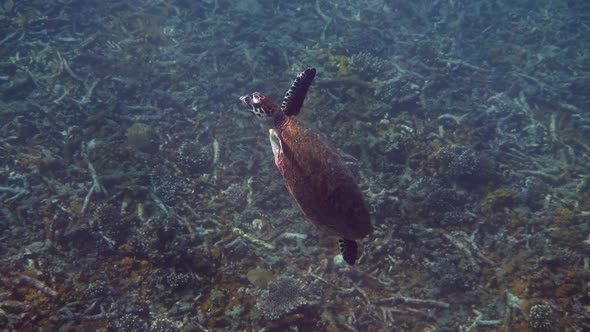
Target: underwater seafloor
(139, 195)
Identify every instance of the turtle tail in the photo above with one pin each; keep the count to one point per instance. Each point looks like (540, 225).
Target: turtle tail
(294, 97)
(349, 250)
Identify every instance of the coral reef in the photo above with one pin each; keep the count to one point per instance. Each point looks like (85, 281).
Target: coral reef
(135, 195)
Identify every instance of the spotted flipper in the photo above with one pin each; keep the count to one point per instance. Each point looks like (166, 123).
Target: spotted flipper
(294, 98)
(349, 250)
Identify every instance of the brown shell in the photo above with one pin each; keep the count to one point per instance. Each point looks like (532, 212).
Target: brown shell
(320, 182)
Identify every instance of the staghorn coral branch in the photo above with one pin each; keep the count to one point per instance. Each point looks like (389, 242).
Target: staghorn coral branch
(465, 64)
(320, 13)
(477, 322)
(96, 185)
(159, 203)
(8, 37)
(456, 118)
(363, 293)
(86, 98)
(69, 70)
(253, 239)
(87, 198)
(17, 191)
(36, 284)
(414, 301)
(469, 248)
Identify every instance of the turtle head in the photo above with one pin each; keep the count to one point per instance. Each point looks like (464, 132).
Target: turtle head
(259, 104)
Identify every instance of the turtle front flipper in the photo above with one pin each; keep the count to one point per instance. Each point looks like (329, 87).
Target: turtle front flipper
(277, 148)
(295, 96)
(349, 250)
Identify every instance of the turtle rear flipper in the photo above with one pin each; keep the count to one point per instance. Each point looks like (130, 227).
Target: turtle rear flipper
(295, 96)
(349, 250)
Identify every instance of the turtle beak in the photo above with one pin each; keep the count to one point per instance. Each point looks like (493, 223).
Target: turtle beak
(247, 101)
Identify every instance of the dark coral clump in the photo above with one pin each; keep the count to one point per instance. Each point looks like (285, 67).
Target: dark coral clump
(281, 297)
(178, 280)
(541, 318)
(142, 137)
(451, 273)
(367, 66)
(463, 165)
(455, 219)
(560, 256)
(97, 290)
(423, 186)
(160, 240)
(363, 40)
(129, 322)
(195, 158)
(435, 202)
(112, 224)
(535, 191)
(400, 90)
(163, 184)
(164, 325)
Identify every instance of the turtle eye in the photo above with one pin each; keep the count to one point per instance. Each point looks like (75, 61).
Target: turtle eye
(256, 98)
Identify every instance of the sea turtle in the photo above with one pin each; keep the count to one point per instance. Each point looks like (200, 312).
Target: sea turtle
(315, 175)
